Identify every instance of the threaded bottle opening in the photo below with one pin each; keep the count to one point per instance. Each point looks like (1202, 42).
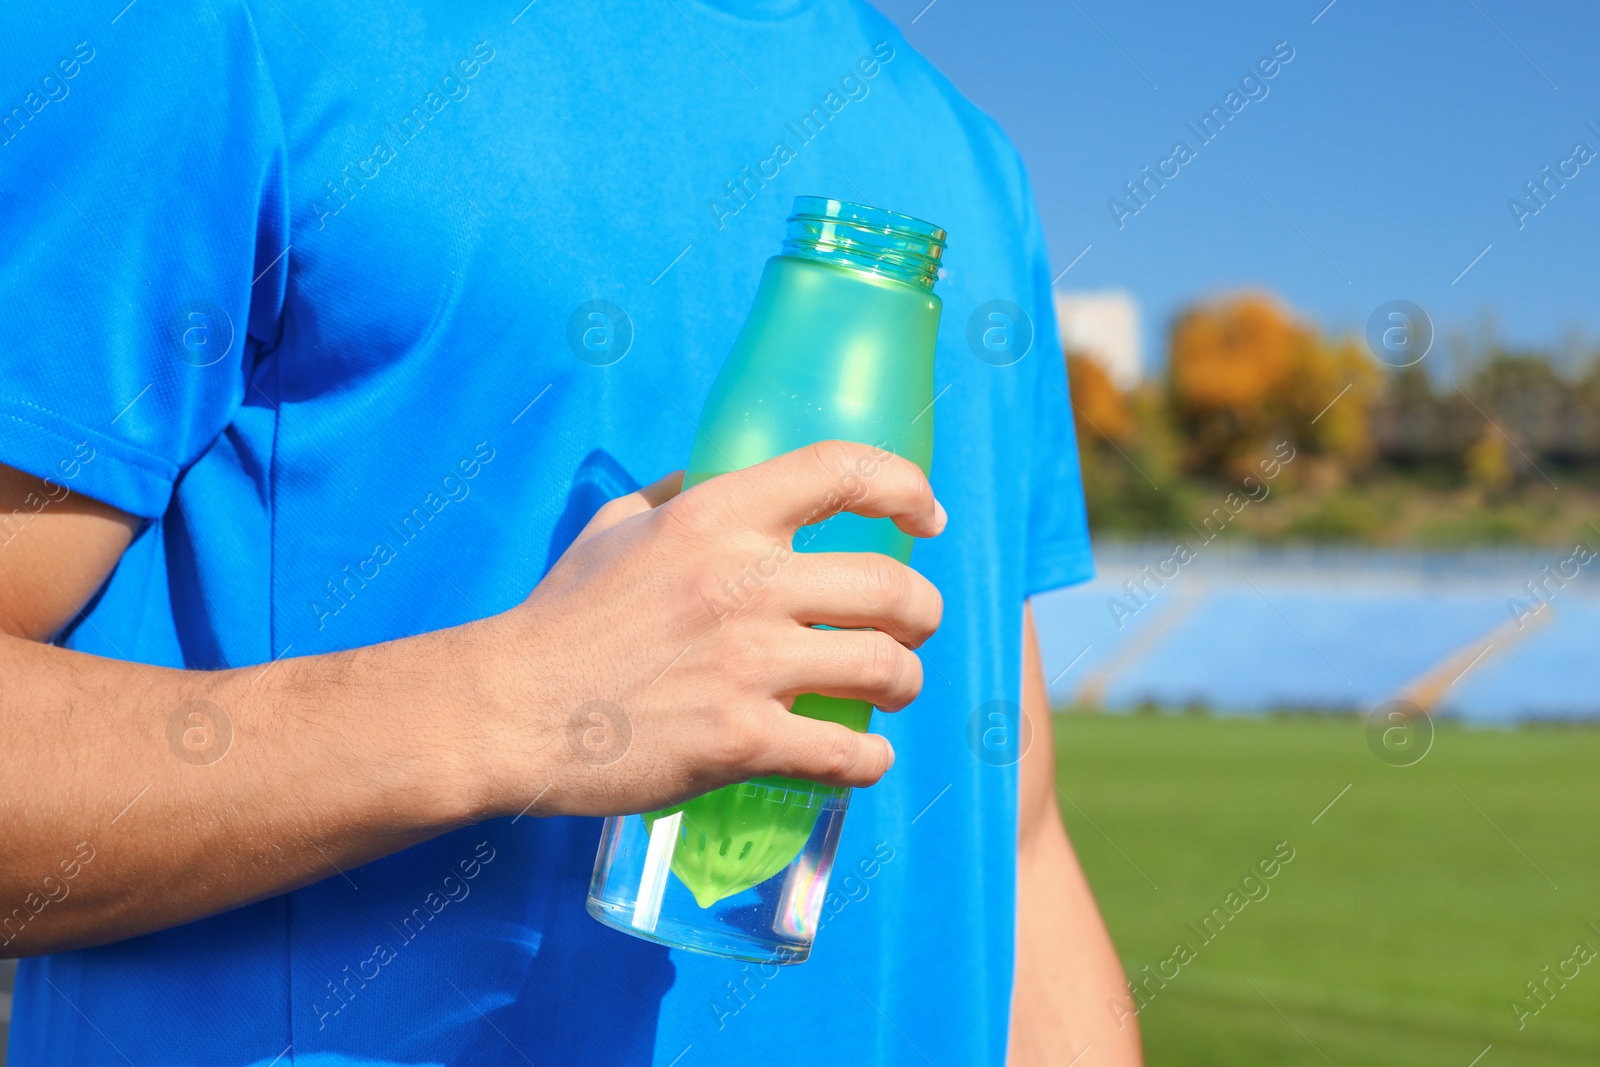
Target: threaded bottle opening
(866, 239)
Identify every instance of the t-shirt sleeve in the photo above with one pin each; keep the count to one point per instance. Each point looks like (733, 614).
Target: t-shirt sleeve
(143, 232)
(1058, 529)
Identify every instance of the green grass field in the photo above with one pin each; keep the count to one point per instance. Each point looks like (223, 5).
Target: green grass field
(1407, 920)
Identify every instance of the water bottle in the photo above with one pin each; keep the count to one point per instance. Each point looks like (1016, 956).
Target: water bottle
(838, 345)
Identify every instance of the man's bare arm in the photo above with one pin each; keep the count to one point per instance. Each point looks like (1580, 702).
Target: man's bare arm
(56, 548)
(334, 760)
(1067, 969)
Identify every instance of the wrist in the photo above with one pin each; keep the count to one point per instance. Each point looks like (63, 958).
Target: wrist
(504, 737)
(401, 721)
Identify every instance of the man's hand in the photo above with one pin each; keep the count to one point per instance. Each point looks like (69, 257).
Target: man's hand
(339, 759)
(702, 680)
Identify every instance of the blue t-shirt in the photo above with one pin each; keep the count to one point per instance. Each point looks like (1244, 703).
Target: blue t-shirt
(296, 282)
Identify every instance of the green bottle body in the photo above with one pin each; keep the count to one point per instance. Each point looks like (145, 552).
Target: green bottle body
(828, 352)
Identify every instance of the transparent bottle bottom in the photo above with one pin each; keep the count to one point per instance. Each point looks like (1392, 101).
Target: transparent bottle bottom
(696, 876)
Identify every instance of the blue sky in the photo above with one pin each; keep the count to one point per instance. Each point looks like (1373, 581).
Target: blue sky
(1378, 166)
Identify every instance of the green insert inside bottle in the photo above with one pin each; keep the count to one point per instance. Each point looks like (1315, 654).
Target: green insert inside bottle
(738, 836)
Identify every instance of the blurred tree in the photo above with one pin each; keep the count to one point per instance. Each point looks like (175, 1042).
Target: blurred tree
(1488, 465)
(1230, 356)
(1329, 394)
(1420, 427)
(1128, 453)
(1526, 397)
(1245, 374)
(1099, 409)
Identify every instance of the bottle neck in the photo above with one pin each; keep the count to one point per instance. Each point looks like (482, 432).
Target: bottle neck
(865, 239)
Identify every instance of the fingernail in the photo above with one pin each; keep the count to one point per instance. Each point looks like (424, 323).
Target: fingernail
(939, 514)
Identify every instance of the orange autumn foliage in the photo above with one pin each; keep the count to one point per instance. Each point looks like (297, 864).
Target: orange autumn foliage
(1099, 408)
(1232, 356)
(1245, 373)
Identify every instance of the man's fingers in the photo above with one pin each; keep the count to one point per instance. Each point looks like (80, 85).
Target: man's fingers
(851, 664)
(662, 489)
(818, 481)
(856, 590)
(622, 508)
(825, 752)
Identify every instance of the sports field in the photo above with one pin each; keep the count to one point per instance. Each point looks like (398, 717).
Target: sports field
(1414, 910)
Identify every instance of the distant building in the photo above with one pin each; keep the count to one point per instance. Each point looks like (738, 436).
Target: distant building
(1105, 328)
